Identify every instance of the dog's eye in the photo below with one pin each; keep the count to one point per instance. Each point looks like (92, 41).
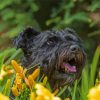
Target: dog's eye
(52, 40)
(71, 38)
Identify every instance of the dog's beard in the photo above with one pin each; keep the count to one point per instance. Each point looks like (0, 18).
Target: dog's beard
(67, 66)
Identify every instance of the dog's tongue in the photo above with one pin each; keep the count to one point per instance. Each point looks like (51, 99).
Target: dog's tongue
(69, 67)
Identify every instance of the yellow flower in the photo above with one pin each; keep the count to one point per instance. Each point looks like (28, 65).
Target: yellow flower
(30, 81)
(19, 69)
(15, 91)
(41, 93)
(16, 66)
(97, 82)
(32, 96)
(40, 97)
(27, 82)
(45, 93)
(35, 73)
(45, 80)
(67, 99)
(94, 93)
(56, 91)
(56, 98)
(3, 97)
(5, 73)
(18, 81)
(20, 74)
(2, 73)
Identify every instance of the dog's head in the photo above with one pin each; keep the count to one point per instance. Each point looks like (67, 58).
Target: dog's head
(59, 53)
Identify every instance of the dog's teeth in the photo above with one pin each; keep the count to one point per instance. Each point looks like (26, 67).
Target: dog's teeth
(66, 69)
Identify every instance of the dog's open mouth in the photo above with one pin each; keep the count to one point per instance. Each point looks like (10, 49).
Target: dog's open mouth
(67, 71)
(69, 66)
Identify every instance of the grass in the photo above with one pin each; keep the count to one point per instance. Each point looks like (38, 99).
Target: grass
(78, 91)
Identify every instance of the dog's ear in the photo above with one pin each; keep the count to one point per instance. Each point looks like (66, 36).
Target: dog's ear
(27, 34)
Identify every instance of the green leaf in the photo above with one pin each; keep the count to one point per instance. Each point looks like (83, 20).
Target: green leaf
(85, 83)
(5, 3)
(62, 90)
(95, 5)
(34, 7)
(74, 91)
(94, 66)
(7, 14)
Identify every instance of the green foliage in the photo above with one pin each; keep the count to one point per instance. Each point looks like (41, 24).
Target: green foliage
(16, 14)
(24, 95)
(8, 54)
(94, 66)
(94, 5)
(73, 11)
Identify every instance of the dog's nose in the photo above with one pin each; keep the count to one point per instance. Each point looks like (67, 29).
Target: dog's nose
(74, 48)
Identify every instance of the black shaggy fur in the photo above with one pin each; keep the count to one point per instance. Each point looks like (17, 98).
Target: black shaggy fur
(50, 49)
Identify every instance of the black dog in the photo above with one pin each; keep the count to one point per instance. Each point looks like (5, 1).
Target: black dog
(59, 53)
